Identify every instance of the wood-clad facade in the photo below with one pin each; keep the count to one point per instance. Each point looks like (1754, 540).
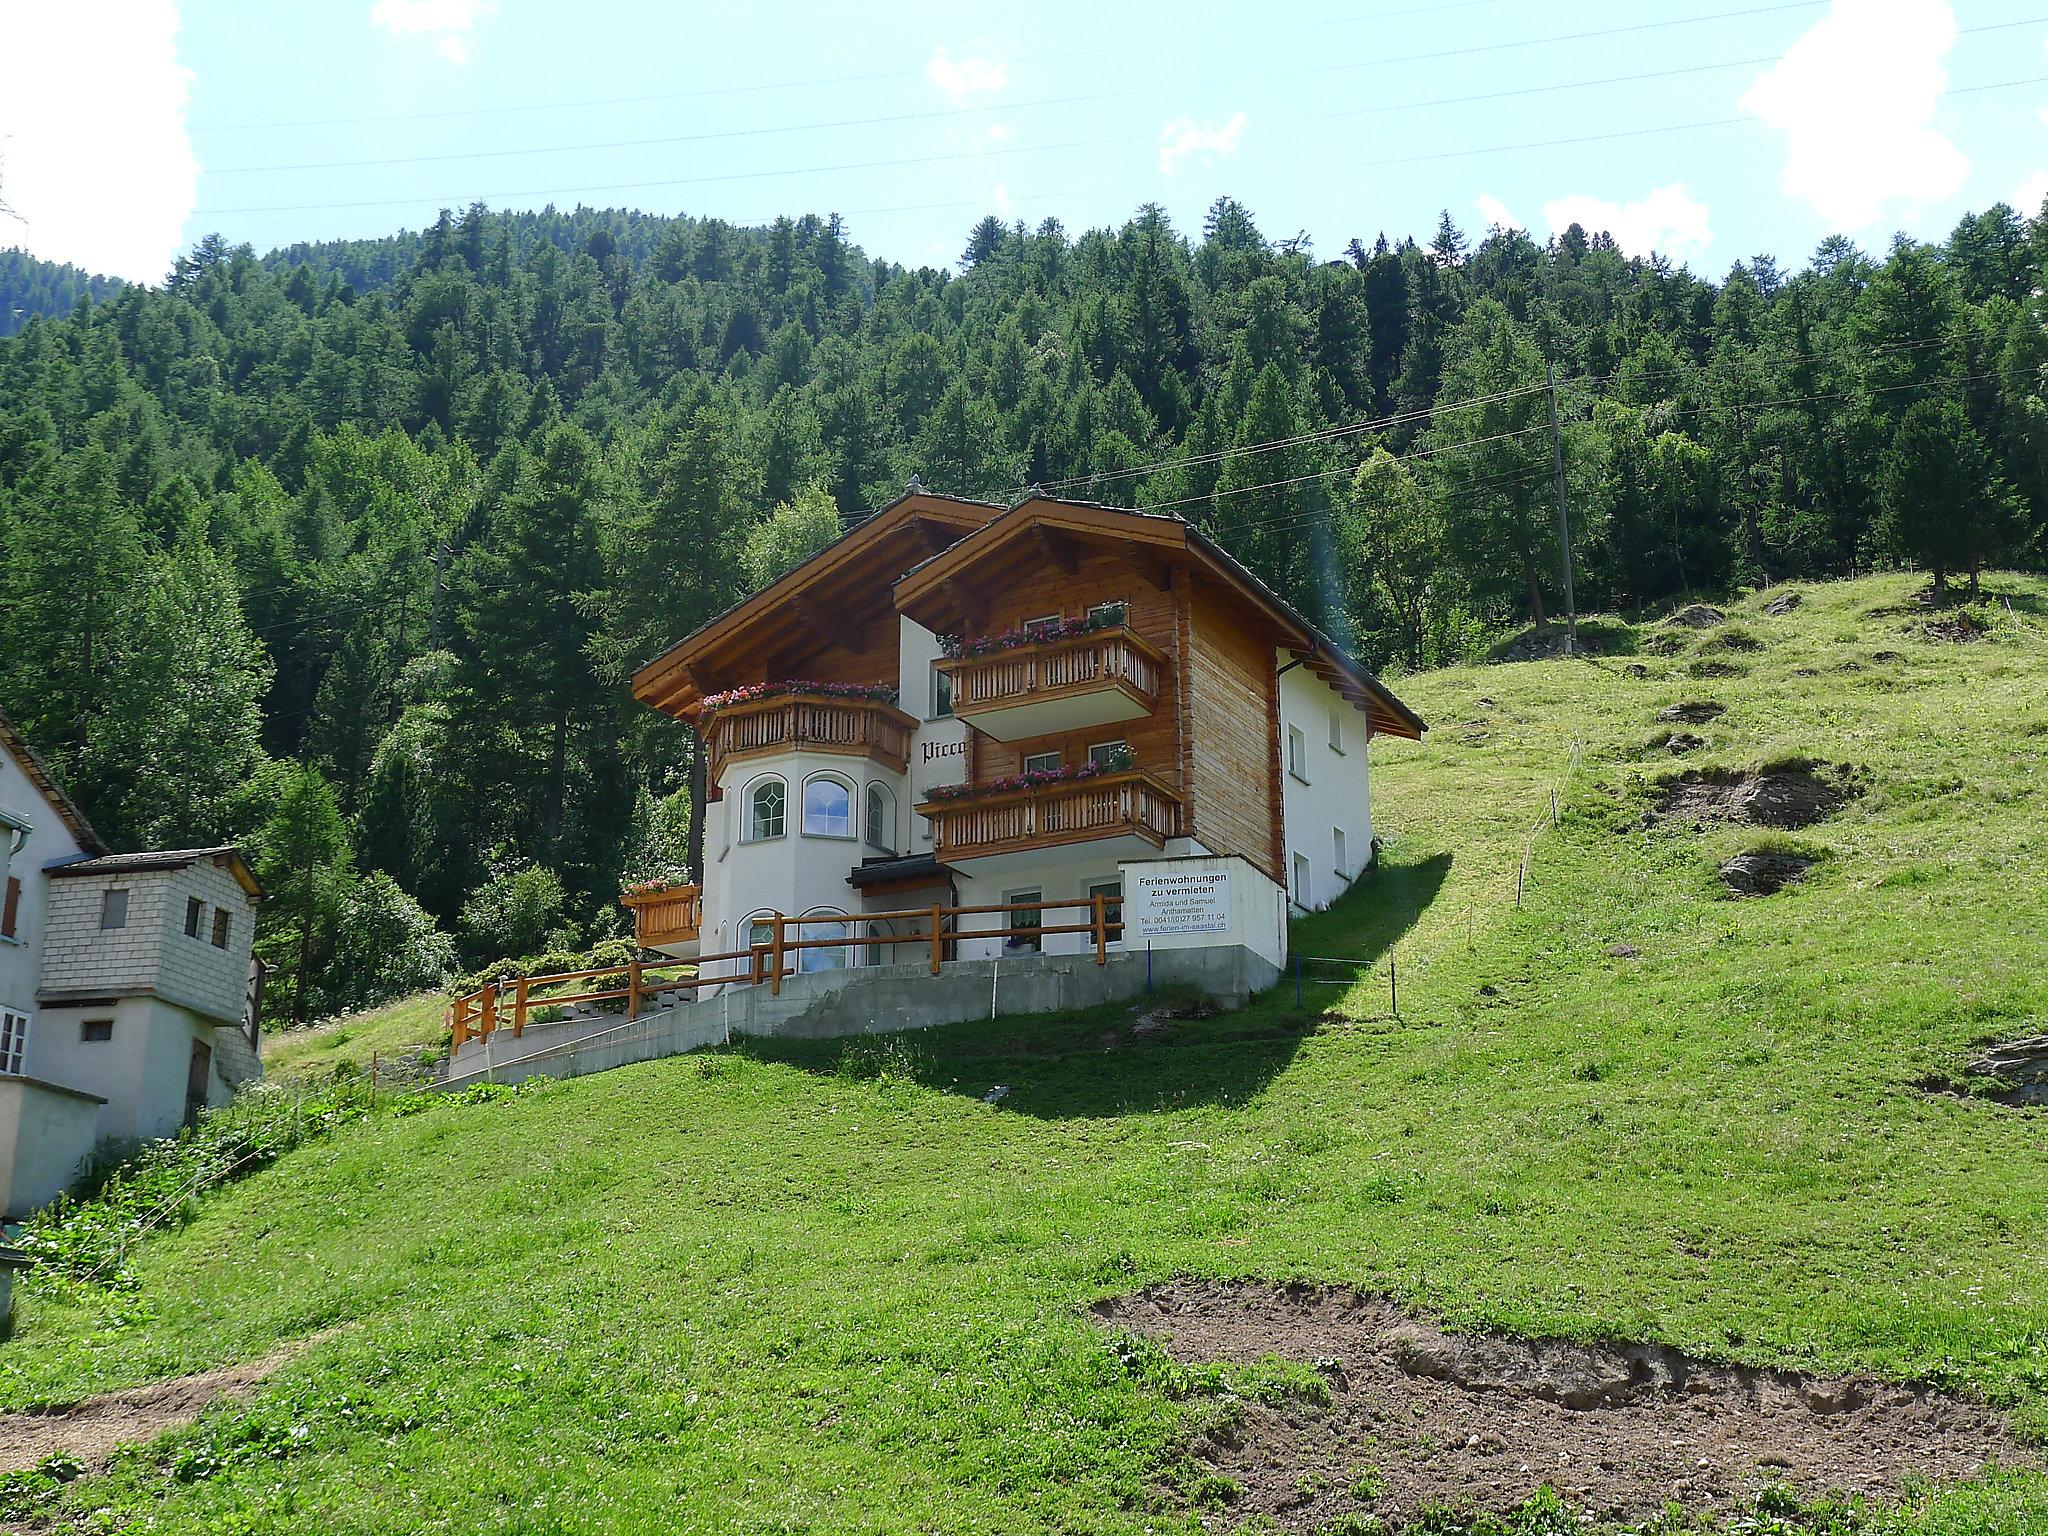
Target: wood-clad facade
(1073, 686)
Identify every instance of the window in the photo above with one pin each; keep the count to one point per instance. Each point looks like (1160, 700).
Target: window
(1112, 907)
(760, 929)
(1297, 753)
(13, 1040)
(1029, 921)
(1303, 891)
(220, 927)
(1042, 622)
(1108, 754)
(1042, 762)
(10, 912)
(1343, 855)
(942, 695)
(833, 959)
(1337, 729)
(828, 807)
(96, 1031)
(1106, 615)
(881, 819)
(195, 910)
(766, 808)
(114, 908)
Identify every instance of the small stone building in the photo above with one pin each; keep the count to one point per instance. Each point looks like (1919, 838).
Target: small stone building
(126, 985)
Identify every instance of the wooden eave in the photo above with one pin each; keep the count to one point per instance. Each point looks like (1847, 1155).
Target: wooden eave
(38, 774)
(835, 598)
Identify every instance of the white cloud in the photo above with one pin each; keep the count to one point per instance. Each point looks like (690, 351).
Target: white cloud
(447, 22)
(1184, 136)
(93, 153)
(2032, 193)
(1495, 212)
(1005, 204)
(967, 80)
(1669, 221)
(1855, 98)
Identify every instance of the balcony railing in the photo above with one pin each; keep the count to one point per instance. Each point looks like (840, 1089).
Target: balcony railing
(1134, 803)
(1110, 675)
(795, 723)
(666, 917)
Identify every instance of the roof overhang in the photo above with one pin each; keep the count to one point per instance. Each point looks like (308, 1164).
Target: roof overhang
(164, 860)
(826, 600)
(39, 775)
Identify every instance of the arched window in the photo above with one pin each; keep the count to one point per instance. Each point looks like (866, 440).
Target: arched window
(835, 958)
(759, 932)
(828, 807)
(767, 810)
(881, 819)
(877, 953)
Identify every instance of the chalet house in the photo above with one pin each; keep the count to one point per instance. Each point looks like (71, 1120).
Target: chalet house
(962, 706)
(125, 984)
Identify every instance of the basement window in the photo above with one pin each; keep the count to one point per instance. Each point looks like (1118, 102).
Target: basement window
(114, 908)
(96, 1031)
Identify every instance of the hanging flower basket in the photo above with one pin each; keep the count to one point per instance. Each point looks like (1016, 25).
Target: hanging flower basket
(1109, 616)
(1123, 760)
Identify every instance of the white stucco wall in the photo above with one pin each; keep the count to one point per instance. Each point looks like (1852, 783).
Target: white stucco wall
(1335, 792)
(48, 839)
(46, 1132)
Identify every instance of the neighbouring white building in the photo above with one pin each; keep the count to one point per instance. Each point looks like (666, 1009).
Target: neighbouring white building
(127, 1001)
(959, 705)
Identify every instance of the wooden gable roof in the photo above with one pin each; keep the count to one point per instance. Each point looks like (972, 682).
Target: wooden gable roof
(38, 774)
(839, 597)
(952, 591)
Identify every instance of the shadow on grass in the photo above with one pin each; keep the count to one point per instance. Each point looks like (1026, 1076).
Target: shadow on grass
(1130, 1058)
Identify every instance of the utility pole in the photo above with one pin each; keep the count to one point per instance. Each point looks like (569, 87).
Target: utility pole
(1564, 522)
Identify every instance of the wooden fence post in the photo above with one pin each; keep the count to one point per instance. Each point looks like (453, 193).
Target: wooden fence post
(775, 957)
(633, 992)
(519, 1006)
(938, 937)
(490, 1010)
(1101, 930)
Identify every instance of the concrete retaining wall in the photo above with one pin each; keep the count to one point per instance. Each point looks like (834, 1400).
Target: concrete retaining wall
(870, 1000)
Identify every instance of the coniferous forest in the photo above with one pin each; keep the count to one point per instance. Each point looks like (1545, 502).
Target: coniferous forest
(347, 551)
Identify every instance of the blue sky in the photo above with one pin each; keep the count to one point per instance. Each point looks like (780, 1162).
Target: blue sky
(1706, 129)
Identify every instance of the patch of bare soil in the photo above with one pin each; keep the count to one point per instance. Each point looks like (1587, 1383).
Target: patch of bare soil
(1698, 616)
(1956, 629)
(93, 1428)
(1419, 1418)
(2021, 1063)
(1678, 743)
(1764, 874)
(1691, 714)
(1783, 604)
(1781, 797)
(1712, 669)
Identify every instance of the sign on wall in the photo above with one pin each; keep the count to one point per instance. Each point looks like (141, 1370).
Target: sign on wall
(1163, 902)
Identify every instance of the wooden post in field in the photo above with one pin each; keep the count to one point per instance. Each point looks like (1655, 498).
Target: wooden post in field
(1101, 918)
(938, 937)
(633, 991)
(519, 990)
(775, 957)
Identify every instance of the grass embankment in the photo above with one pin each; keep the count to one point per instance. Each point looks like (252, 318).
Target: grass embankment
(350, 1042)
(826, 1288)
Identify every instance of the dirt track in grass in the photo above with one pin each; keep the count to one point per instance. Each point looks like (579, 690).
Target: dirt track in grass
(1419, 1418)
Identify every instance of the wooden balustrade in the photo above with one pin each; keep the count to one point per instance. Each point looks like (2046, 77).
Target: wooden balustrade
(810, 723)
(510, 1003)
(1076, 811)
(672, 914)
(1109, 659)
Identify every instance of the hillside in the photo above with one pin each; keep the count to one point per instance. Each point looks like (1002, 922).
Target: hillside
(830, 1288)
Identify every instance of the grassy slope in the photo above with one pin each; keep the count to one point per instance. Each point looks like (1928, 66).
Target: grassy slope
(395, 1027)
(812, 1288)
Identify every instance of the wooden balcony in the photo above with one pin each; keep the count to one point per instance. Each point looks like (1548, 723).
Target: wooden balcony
(808, 723)
(666, 919)
(1055, 686)
(1134, 807)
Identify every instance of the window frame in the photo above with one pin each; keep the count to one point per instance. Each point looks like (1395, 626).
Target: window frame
(1031, 946)
(1093, 609)
(748, 825)
(808, 961)
(846, 787)
(1039, 757)
(1113, 909)
(1341, 850)
(1297, 760)
(941, 701)
(223, 927)
(1033, 626)
(95, 1031)
(195, 915)
(1121, 744)
(1304, 882)
(1337, 730)
(879, 798)
(110, 908)
(14, 1032)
